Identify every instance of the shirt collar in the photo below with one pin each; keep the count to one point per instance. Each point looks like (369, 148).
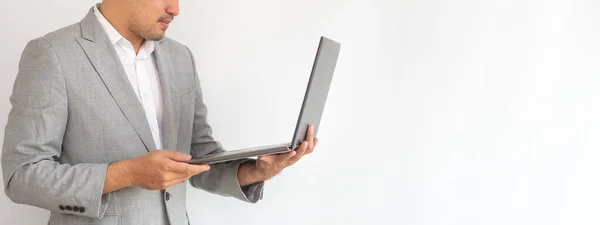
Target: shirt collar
(114, 36)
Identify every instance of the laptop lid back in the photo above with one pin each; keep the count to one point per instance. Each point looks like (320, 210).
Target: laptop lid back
(317, 89)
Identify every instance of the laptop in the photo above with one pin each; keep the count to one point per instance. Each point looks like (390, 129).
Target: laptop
(311, 111)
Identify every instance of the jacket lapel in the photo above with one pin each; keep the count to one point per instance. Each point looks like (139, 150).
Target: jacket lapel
(171, 101)
(103, 57)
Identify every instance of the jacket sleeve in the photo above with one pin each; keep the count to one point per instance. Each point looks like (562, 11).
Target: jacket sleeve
(33, 142)
(221, 179)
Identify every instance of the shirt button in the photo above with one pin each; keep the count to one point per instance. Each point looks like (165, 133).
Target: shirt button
(81, 209)
(167, 196)
(61, 207)
(75, 209)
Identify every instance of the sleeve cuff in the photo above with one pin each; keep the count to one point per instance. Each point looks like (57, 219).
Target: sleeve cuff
(94, 204)
(253, 192)
(74, 190)
(222, 179)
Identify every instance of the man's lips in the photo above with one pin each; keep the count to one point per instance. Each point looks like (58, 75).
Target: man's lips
(165, 23)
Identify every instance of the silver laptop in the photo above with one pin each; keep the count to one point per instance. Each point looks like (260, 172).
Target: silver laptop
(310, 113)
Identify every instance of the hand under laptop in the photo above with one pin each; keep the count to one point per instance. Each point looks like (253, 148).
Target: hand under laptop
(267, 166)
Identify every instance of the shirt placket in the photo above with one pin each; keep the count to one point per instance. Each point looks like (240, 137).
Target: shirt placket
(147, 98)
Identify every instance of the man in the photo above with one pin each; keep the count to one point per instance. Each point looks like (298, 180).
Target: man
(93, 105)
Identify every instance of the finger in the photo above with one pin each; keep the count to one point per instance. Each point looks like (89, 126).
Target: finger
(263, 158)
(176, 167)
(310, 135)
(186, 169)
(303, 149)
(282, 160)
(176, 156)
(290, 154)
(310, 150)
(300, 152)
(179, 179)
(277, 157)
(196, 169)
(316, 140)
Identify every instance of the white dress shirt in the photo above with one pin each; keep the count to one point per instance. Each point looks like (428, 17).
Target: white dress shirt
(142, 74)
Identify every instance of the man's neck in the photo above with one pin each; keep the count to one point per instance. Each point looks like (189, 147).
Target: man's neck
(120, 22)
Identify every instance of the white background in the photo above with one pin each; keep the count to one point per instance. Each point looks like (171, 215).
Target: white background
(440, 112)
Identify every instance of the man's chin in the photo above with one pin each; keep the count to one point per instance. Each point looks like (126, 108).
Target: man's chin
(156, 37)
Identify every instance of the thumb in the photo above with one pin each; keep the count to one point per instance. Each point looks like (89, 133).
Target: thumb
(177, 156)
(196, 169)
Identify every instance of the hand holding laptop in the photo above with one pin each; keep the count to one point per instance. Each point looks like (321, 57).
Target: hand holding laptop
(267, 166)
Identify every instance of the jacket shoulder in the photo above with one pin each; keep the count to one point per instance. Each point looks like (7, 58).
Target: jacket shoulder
(62, 36)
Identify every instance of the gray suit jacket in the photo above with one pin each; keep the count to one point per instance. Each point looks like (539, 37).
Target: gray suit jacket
(74, 111)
